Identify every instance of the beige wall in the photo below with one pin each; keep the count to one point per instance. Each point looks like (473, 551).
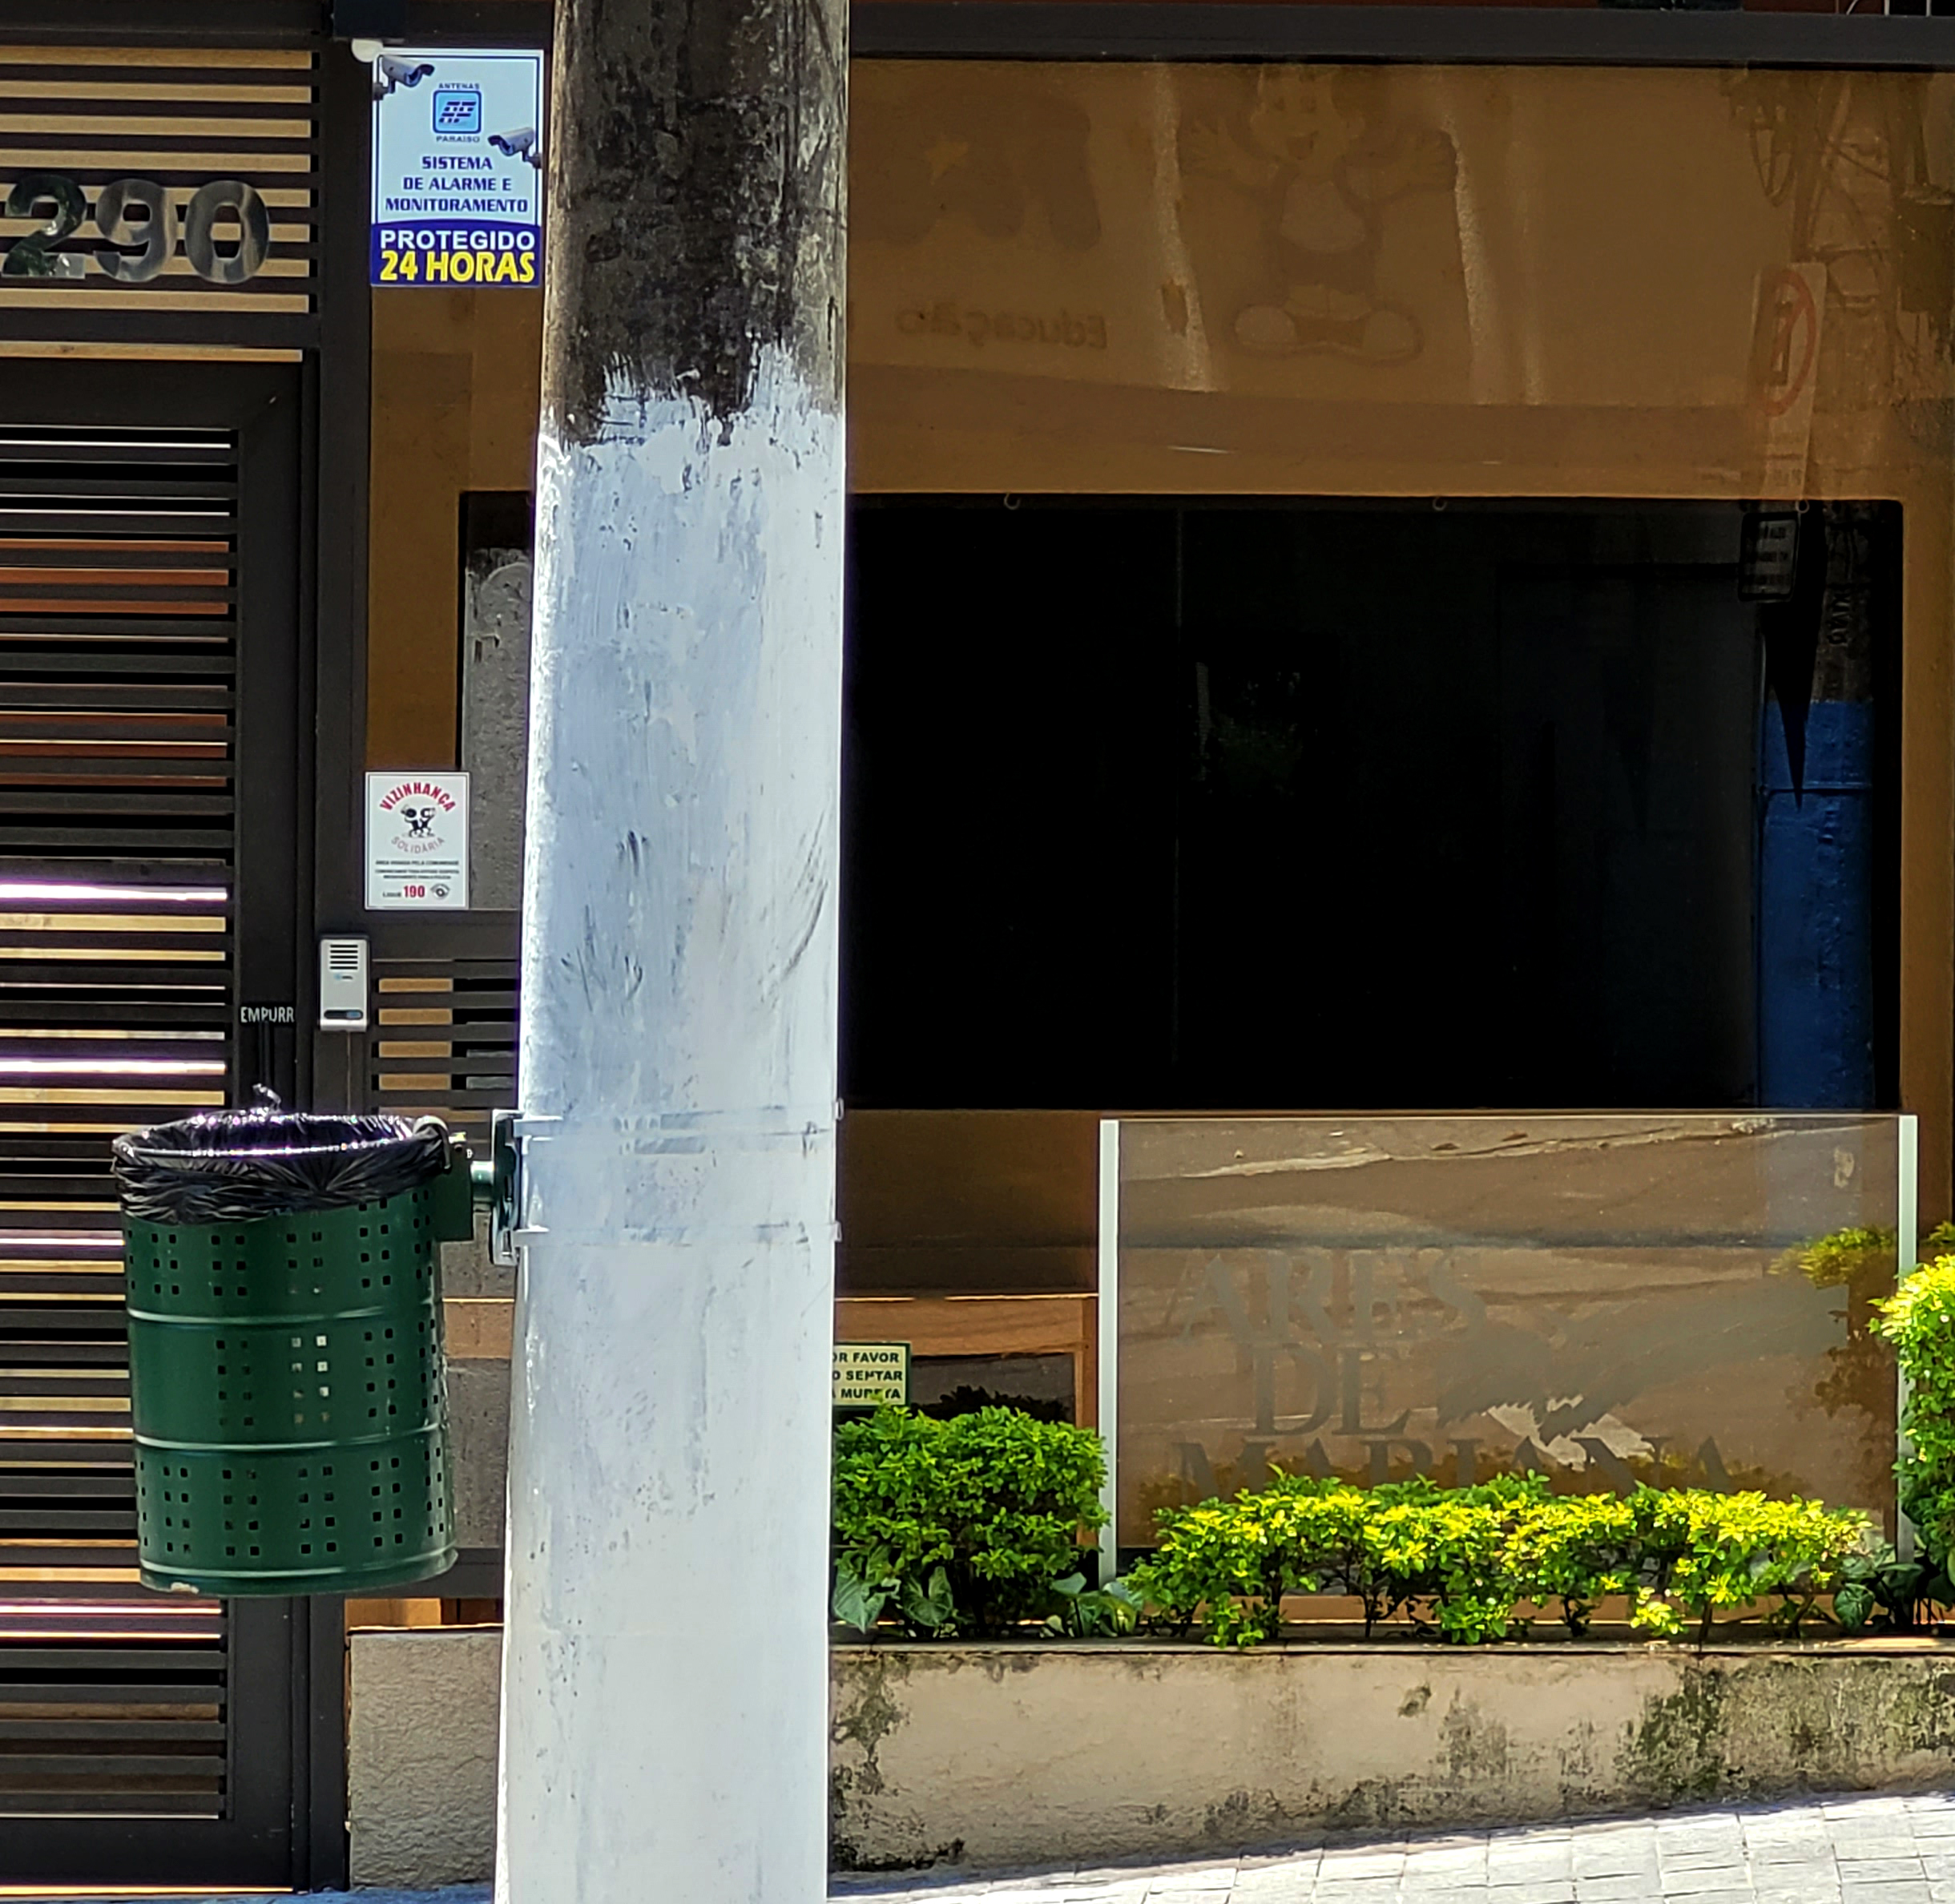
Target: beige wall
(455, 376)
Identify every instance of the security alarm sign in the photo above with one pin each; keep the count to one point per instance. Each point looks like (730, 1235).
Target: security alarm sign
(418, 842)
(457, 167)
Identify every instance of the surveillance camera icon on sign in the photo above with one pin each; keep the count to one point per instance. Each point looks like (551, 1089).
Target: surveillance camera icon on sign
(389, 72)
(519, 144)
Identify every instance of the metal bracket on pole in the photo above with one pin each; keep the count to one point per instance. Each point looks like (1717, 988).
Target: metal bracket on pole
(498, 1184)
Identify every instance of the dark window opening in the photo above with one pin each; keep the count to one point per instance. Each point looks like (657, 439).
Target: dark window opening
(1290, 806)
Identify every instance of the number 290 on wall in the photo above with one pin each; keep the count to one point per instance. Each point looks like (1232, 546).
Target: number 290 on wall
(137, 213)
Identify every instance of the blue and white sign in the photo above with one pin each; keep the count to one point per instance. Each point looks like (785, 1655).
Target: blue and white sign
(457, 167)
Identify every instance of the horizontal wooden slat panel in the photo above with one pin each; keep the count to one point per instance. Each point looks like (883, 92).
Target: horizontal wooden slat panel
(469, 1070)
(117, 703)
(95, 1717)
(88, 59)
(179, 119)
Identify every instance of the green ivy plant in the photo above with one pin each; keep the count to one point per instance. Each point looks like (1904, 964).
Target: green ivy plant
(970, 1526)
(1108, 1612)
(1878, 1585)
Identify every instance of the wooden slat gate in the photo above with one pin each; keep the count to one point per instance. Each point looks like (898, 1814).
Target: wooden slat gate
(149, 759)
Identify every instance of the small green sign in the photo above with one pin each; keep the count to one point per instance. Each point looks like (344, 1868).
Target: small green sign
(872, 1374)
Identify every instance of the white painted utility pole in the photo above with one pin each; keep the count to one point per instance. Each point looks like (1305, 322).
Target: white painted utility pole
(665, 1688)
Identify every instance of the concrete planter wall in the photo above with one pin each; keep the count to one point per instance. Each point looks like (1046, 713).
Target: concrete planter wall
(1050, 1754)
(1000, 1756)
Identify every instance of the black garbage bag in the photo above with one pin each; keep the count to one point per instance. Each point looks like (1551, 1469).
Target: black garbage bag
(236, 1166)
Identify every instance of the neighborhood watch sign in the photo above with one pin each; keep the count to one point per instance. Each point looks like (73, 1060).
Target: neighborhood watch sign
(458, 168)
(418, 842)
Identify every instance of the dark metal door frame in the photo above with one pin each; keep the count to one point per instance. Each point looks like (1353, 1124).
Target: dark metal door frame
(276, 1647)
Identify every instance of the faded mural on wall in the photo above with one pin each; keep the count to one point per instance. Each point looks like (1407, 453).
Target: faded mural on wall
(1602, 1301)
(1768, 253)
(1321, 158)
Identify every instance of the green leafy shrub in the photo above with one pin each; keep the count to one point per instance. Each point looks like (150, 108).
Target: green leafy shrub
(1701, 1554)
(1575, 1551)
(971, 1527)
(1460, 1561)
(1445, 1555)
(1233, 1561)
(1919, 1320)
(967, 1526)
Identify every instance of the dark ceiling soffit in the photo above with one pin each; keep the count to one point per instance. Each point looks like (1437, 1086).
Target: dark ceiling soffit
(262, 22)
(478, 22)
(141, 23)
(1122, 30)
(1456, 35)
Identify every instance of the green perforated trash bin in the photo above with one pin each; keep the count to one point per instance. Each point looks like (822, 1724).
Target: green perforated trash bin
(287, 1393)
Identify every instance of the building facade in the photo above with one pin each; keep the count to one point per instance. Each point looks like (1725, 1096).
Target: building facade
(1402, 560)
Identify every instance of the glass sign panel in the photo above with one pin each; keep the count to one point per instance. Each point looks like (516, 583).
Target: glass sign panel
(1604, 1300)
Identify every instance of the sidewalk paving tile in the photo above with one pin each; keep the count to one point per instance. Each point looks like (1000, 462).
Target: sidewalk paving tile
(1629, 1862)
(1636, 1890)
(1004, 1894)
(1531, 1860)
(1878, 1848)
(1704, 1881)
(1611, 1843)
(1342, 1864)
(1720, 1858)
(1458, 1863)
(1787, 1843)
(1253, 1880)
(1280, 1854)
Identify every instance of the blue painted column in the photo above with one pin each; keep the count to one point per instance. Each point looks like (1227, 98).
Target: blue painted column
(1815, 911)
